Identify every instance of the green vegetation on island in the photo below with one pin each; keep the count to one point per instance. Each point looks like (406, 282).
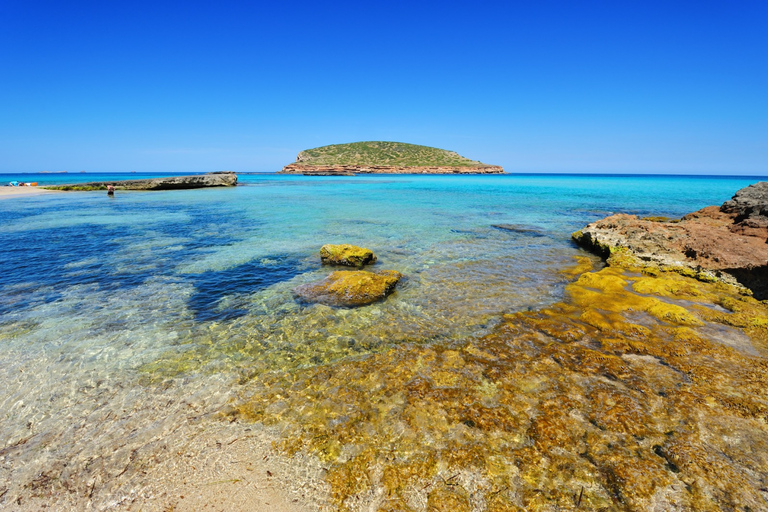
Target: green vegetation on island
(381, 153)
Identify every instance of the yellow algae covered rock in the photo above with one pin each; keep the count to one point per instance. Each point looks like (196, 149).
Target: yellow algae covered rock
(607, 291)
(712, 244)
(350, 288)
(345, 254)
(583, 264)
(619, 398)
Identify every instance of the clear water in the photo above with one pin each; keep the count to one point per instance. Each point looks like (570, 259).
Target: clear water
(120, 315)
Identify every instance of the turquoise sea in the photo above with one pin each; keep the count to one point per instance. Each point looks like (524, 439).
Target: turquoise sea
(128, 323)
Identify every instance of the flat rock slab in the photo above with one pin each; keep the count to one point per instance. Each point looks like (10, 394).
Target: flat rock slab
(347, 255)
(350, 288)
(170, 183)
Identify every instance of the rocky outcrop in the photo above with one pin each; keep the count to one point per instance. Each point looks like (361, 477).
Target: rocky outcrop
(750, 205)
(725, 243)
(345, 254)
(347, 170)
(350, 288)
(749, 201)
(225, 179)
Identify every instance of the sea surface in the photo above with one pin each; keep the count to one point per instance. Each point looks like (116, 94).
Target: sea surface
(126, 319)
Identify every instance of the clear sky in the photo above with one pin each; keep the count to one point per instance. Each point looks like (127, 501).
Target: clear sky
(536, 86)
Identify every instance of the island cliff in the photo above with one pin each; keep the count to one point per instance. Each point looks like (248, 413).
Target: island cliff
(378, 157)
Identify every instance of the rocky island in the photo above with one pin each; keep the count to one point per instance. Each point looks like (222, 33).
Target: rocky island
(214, 179)
(377, 157)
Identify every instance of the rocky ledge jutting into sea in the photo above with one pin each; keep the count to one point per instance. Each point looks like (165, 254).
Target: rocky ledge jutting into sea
(726, 243)
(214, 179)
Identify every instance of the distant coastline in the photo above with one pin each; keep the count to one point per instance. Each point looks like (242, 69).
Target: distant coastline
(220, 179)
(8, 176)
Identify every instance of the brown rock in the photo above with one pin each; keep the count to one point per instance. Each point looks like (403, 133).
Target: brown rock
(350, 288)
(724, 243)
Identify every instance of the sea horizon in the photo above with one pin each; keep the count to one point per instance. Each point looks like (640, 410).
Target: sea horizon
(506, 173)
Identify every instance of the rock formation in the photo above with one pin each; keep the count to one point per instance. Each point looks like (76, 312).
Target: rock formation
(352, 170)
(725, 243)
(381, 157)
(224, 179)
(750, 205)
(345, 254)
(350, 288)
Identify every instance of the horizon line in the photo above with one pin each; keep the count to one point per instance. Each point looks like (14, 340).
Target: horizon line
(532, 173)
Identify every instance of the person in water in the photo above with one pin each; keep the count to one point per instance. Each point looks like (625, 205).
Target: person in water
(110, 190)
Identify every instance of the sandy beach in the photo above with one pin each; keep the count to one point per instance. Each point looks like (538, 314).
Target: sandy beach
(8, 192)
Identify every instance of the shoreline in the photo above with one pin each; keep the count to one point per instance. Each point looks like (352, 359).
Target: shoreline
(10, 192)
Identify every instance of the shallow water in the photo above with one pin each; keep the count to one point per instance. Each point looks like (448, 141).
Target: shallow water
(119, 316)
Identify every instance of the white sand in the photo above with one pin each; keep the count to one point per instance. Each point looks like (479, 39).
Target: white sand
(8, 192)
(226, 473)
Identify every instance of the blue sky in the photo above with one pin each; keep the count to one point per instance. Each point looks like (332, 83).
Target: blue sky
(535, 86)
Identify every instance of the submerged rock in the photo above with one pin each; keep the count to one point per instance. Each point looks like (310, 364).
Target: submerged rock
(519, 228)
(350, 288)
(726, 243)
(345, 254)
